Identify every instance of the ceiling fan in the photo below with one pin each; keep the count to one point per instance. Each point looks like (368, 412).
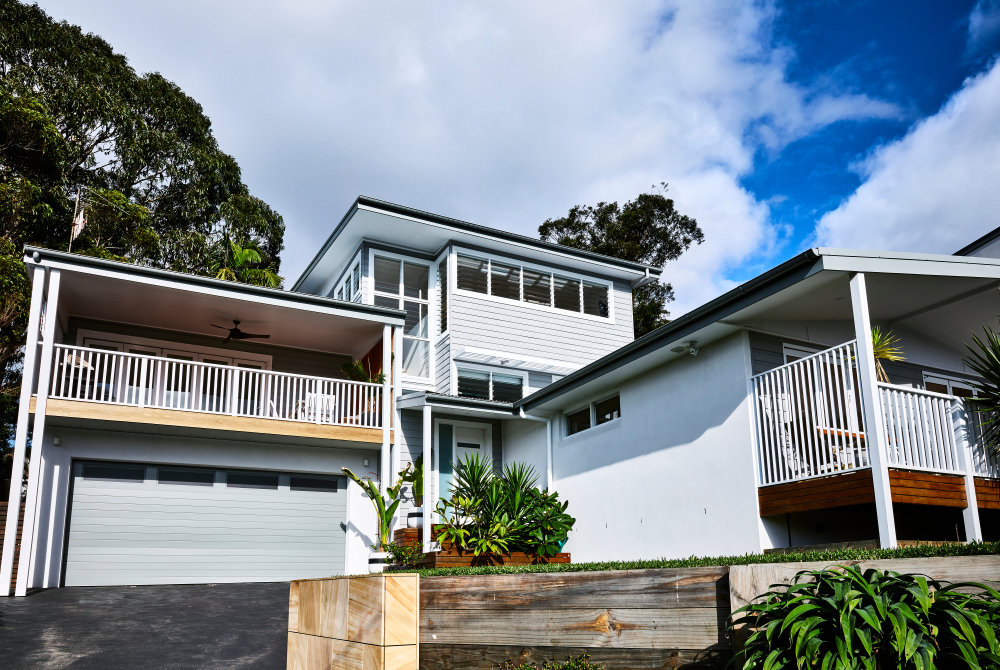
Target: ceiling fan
(237, 334)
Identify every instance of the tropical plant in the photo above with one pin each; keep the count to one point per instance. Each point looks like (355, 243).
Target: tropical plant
(578, 663)
(840, 618)
(413, 474)
(356, 372)
(985, 361)
(886, 347)
(238, 263)
(493, 514)
(385, 506)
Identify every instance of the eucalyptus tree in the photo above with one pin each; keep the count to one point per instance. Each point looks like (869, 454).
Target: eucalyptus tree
(648, 229)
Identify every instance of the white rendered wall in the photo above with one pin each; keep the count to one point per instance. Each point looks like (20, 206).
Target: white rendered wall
(524, 442)
(673, 477)
(54, 480)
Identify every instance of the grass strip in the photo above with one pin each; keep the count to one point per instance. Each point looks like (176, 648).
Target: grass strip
(925, 551)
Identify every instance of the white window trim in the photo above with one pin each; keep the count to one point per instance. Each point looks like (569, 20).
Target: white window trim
(445, 257)
(103, 338)
(453, 285)
(431, 296)
(592, 405)
(798, 350)
(510, 372)
(347, 274)
(935, 378)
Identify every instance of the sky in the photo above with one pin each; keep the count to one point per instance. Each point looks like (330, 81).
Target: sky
(777, 125)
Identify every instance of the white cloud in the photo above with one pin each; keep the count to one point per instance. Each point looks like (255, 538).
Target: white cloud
(935, 189)
(984, 23)
(500, 113)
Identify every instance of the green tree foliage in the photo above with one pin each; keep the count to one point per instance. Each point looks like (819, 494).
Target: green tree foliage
(646, 230)
(158, 190)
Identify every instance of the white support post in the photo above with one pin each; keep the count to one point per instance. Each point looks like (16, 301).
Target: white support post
(429, 500)
(397, 390)
(26, 564)
(875, 419)
(21, 431)
(386, 471)
(963, 441)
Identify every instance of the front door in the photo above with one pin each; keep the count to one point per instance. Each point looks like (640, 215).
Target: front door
(457, 440)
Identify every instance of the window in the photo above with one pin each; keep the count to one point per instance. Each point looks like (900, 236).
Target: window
(472, 274)
(340, 293)
(538, 287)
(114, 473)
(578, 421)
(403, 285)
(490, 385)
(595, 414)
(313, 484)
(949, 386)
(443, 292)
(251, 480)
(356, 278)
(608, 410)
(193, 476)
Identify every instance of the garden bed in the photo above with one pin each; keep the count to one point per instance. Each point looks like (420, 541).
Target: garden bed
(454, 559)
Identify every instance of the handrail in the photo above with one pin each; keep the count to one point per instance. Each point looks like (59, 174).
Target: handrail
(920, 429)
(140, 380)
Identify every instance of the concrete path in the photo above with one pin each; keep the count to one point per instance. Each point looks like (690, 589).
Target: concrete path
(151, 627)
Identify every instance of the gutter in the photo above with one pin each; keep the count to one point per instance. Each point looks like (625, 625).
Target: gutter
(775, 279)
(548, 446)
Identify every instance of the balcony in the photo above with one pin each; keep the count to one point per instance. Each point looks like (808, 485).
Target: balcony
(812, 439)
(87, 383)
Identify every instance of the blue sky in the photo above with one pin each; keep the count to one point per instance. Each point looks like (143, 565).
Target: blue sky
(914, 54)
(778, 125)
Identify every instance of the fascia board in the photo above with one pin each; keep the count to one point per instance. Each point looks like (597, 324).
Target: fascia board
(940, 266)
(305, 306)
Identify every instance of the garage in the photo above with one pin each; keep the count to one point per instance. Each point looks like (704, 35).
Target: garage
(163, 524)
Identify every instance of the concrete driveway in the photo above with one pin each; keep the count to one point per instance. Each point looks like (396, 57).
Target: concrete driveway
(152, 627)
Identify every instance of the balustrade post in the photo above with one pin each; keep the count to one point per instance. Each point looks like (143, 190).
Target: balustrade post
(875, 434)
(961, 423)
(233, 395)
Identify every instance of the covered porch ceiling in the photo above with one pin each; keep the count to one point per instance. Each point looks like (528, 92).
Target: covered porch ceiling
(945, 309)
(176, 306)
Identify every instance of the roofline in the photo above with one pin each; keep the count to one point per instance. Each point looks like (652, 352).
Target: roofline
(981, 242)
(392, 316)
(768, 283)
(465, 226)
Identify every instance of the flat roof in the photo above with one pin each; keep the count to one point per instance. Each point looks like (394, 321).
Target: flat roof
(458, 226)
(57, 258)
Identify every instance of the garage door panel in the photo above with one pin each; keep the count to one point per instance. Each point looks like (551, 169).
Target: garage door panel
(131, 532)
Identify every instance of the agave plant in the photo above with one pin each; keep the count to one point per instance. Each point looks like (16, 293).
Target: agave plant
(886, 347)
(385, 506)
(985, 361)
(843, 619)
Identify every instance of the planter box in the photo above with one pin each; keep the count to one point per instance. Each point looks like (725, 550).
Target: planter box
(354, 623)
(454, 559)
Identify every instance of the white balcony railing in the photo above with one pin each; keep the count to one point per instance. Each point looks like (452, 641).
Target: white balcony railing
(117, 378)
(984, 462)
(809, 419)
(921, 429)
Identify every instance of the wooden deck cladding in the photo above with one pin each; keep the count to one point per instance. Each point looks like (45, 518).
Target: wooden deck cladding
(79, 409)
(855, 488)
(353, 623)
(987, 493)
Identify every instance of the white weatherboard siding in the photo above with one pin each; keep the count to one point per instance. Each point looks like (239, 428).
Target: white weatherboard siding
(442, 364)
(512, 327)
(675, 475)
(124, 532)
(113, 446)
(411, 446)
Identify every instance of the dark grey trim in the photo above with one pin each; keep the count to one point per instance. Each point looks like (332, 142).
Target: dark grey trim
(978, 244)
(744, 295)
(471, 228)
(441, 399)
(395, 315)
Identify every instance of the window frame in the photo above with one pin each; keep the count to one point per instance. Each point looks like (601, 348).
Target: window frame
(510, 372)
(427, 302)
(536, 267)
(592, 406)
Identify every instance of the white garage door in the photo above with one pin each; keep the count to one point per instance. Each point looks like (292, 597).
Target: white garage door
(158, 524)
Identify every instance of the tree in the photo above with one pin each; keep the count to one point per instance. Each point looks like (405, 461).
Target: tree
(645, 230)
(158, 190)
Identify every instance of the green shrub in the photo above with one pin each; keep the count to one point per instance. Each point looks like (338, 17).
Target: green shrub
(578, 663)
(403, 554)
(839, 618)
(498, 514)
